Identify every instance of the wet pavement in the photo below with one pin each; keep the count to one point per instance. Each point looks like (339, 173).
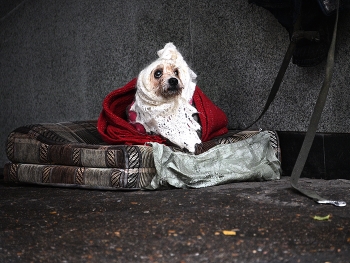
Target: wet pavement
(239, 222)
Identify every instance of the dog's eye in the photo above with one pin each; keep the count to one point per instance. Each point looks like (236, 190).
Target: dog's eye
(158, 73)
(176, 72)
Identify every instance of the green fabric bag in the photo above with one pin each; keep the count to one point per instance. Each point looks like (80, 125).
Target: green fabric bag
(252, 159)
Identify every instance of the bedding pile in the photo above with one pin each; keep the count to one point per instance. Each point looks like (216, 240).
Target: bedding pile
(109, 153)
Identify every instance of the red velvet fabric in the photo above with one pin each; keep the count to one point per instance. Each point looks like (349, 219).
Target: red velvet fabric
(115, 129)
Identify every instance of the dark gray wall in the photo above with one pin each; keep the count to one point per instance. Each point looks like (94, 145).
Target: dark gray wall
(59, 59)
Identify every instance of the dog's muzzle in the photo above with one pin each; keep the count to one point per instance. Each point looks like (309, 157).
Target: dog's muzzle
(173, 88)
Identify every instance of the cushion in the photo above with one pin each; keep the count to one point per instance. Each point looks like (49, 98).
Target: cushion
(72, 154)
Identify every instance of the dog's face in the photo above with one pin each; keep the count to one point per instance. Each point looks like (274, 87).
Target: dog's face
(166, 78)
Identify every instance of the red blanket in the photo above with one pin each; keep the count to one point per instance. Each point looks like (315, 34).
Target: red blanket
(115, 128)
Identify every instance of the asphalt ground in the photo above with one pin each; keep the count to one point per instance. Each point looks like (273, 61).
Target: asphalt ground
(239, 222)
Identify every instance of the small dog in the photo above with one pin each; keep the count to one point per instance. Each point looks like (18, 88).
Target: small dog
(163, 100)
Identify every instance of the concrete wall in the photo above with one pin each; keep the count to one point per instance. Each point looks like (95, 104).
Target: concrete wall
(59, 59)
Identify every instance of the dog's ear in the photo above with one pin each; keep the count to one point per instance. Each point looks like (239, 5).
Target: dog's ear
(169, 52)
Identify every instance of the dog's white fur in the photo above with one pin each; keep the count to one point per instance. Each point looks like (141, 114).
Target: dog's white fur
(163, 99)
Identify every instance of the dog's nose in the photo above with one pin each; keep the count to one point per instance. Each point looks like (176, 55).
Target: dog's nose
(173, 81)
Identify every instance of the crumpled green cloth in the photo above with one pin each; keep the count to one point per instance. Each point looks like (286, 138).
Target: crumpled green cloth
(252, 159)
